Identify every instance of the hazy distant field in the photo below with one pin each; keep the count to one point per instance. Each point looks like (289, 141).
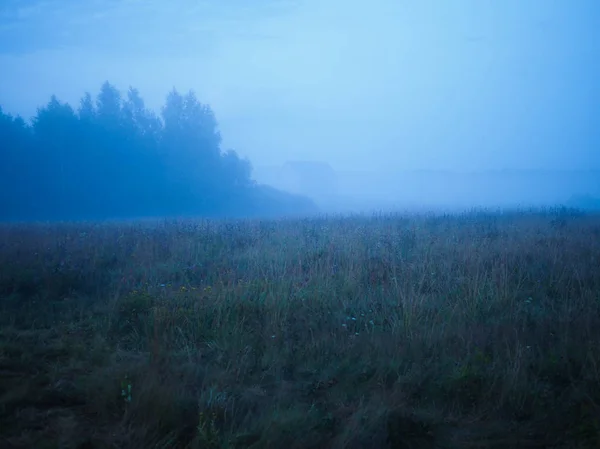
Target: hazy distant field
(471, 331)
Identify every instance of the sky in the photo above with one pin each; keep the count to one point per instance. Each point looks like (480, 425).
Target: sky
(378, 85)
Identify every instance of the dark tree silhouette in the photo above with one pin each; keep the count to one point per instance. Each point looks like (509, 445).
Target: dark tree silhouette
(114, 158)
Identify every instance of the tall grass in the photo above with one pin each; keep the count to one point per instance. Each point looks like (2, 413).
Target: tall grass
(479, 330)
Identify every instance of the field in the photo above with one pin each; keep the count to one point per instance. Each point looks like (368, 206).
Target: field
(479, 330)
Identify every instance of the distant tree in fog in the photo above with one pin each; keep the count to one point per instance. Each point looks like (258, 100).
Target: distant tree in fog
(113, 157)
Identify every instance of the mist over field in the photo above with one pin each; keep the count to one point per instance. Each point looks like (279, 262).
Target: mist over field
(316, 224)
(410, 104)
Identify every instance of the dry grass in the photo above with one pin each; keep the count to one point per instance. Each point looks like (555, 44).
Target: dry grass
(472, 331)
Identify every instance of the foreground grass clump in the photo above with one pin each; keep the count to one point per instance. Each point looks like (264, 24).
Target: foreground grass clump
(480, 331)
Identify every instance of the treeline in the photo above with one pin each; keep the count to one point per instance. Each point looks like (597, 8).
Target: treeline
(114, 158)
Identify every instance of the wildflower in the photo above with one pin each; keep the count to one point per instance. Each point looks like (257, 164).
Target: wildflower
(126, 390)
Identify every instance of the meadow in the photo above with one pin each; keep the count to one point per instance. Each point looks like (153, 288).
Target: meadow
(474, 330)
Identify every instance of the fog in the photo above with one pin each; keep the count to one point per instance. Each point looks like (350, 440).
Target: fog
(408, 103)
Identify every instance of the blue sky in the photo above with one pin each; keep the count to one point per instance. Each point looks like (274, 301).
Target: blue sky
(384, 84)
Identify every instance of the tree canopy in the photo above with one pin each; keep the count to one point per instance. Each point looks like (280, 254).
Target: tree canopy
(112, 157)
